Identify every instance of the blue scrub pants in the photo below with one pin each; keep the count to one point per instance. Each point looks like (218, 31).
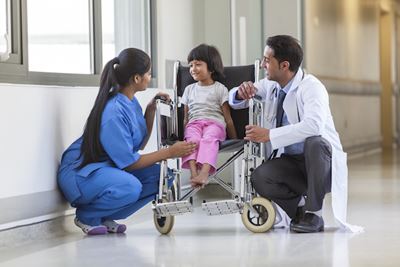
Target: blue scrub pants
(112, 194)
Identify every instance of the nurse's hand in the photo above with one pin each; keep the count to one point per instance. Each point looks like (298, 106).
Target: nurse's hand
(180, 149)
(246, 90)
(153, 104)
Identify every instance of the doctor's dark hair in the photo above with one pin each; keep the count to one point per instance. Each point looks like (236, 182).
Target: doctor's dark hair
(117, 74)
(210, 55)
(286, 48)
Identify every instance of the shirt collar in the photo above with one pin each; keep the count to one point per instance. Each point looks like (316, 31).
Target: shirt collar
(297, 78)
(287, 86)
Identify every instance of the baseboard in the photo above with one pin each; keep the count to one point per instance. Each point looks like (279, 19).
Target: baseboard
(32, 208)
(34, 220)
(363, 149)
(362, 153)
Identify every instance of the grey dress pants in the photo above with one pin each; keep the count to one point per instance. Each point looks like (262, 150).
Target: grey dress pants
(286, 179)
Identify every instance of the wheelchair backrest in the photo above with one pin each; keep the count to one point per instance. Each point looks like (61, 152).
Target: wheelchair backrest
(234, 76)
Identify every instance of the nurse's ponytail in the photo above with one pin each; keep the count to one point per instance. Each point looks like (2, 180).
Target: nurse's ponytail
(117, 74)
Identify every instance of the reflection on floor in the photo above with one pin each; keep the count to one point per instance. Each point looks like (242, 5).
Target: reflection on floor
(199, 240)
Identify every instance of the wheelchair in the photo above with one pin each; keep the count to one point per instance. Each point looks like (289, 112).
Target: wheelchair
(257, 213)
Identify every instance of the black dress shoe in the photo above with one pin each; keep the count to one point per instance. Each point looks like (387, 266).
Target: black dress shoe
(299, 216)
(311, 223)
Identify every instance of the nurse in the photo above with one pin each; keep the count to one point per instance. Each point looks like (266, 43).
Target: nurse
(101, 173)
(307, 159)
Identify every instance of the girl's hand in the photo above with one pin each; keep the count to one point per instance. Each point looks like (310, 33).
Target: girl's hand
(152, 104)
(182, 148)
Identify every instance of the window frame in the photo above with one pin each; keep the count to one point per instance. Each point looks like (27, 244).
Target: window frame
(16, 68)
(15, 59)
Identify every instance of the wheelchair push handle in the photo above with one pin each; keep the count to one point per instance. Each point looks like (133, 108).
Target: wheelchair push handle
(163, 98)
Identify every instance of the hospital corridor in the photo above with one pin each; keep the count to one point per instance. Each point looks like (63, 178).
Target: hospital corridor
(193, 133)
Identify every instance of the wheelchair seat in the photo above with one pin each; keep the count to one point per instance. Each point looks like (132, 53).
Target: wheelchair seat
(231, 145)
(234, 76)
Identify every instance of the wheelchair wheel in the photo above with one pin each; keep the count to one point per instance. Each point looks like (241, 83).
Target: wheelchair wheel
(164, 224)
(266, 217)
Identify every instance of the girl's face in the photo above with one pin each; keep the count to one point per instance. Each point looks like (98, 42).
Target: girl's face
(199, 71)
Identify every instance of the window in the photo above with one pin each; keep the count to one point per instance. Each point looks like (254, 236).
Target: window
(3, 26)
(59, 38)
(131, 29)
(67, 42)
(107, 17)
(5, 42)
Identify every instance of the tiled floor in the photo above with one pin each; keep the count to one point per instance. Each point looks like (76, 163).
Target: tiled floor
(199, 240)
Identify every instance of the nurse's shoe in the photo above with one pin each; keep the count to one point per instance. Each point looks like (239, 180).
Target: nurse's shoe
(114, 227)
(91, 230)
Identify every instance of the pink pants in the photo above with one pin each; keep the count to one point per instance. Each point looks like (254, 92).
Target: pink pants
(206, 134)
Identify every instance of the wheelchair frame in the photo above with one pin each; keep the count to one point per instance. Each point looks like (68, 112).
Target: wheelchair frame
(258, 214)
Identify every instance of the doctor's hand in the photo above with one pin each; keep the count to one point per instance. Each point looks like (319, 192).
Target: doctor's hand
(180, 149)
(256, 134)
(246, 90)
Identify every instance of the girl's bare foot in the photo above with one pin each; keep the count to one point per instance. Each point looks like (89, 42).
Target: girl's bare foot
(200, 180)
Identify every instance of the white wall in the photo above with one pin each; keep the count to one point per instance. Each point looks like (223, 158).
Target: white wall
(282, 17)
(38, 123)
(216, 27)
(175, 34)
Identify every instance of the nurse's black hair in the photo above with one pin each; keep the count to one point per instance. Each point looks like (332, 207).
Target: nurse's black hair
(286, 48)
(117, 74)
(210, 55)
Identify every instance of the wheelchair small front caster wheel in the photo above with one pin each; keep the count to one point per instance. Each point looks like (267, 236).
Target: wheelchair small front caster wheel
(265, 219)
(164, 224)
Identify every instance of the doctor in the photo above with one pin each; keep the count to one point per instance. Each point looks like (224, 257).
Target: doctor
(300, 129)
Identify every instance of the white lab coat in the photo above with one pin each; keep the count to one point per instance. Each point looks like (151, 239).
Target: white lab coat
(307, 109)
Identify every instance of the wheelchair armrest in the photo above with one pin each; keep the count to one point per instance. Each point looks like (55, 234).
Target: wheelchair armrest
(231, 145)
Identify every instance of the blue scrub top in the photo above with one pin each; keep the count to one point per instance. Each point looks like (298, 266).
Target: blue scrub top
(122, 132)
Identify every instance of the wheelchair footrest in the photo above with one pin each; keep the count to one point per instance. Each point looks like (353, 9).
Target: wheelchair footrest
(173, 208)
(222, 207)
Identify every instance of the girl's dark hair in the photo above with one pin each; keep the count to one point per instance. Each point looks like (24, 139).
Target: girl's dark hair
(116, 74)
(210, 55)
(286, 48)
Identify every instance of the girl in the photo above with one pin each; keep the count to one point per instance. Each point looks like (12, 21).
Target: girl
(207, 115)
(102, 174)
